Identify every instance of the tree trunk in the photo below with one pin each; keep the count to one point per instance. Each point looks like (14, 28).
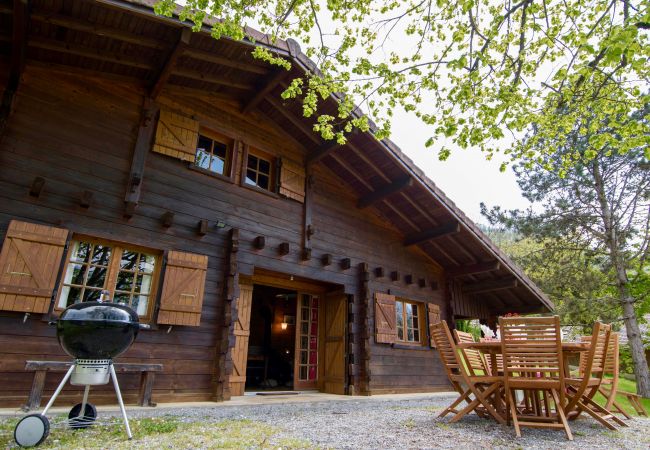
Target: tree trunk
(641, 371)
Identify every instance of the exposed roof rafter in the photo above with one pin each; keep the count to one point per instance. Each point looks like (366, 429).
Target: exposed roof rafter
(168, 67)
(490, 286)
(384, 191)
(265, 88)
(432, 233)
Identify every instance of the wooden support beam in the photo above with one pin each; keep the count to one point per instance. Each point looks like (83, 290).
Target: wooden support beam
(259, 242)
(490, 286)
(307, 207)
(434, 285)
(293, 119)
(86, 199)
(37, 186)
(394, 275)
(162, 76)
(265, 88)
(346, 263)
(212, 79)
(306, 254)
(202, 227)
(143, 144)
(284, 248)
(326, 259)
(432, 233)
(408, 279)
(380, 272)
(474, 269)
(99, 30)
(422, 283)
(384, 191)
(208, 56)
(87, 52)
(322, 151)
(19, 33)
(167, 219)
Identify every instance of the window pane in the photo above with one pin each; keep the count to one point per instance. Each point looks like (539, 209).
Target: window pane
(252, 162)
(140, 304)
(409, 335)
(96, 276)
(80, 251)
(122, 297)
(303, 372)
(101, 255)
(400, 333)
(69, 295)
(265, 166)
(303, 357)
(75, 274)
(220, 150)
(416, 335)
(399, 313)
(409, 315)
(147, 263)
(303, 342)
(251, 177)
(91, 295)
(263, 181)
(217, 165)
(129, 260)
(124, 281)
(202, 159)
(143, 284)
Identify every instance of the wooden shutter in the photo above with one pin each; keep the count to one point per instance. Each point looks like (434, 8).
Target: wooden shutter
(176, 136)
(182, 293)
(385, 320)
(29, 264)
(433, 313)
(292, 180)
(242, 334)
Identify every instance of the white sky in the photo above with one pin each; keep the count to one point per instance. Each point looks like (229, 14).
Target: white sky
(466, 177)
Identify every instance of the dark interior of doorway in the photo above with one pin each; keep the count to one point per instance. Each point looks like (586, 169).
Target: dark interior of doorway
(272, 342)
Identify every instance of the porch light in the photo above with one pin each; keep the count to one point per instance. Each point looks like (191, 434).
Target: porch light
(284, 325)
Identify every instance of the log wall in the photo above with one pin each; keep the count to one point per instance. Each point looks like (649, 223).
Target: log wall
(79, 134)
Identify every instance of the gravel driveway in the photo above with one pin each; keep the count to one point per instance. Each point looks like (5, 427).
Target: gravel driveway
(372, 423)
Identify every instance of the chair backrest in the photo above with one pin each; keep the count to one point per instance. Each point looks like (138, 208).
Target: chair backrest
(532, 347)
(608, 366)
(474, 359)
(594, 363)
(446, 347)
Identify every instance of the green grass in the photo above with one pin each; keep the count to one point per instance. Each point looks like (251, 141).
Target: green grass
(162, 432)
(625, 385)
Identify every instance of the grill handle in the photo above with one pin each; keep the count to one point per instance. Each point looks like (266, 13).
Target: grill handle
(145, 326)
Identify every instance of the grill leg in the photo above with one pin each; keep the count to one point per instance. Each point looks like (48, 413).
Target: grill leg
(119, 400)
(82, 413)
(58, 389)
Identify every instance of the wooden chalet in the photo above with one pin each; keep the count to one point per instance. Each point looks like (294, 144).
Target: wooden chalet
(162, 165)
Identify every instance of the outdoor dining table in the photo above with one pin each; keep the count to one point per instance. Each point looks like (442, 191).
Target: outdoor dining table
(493, 348)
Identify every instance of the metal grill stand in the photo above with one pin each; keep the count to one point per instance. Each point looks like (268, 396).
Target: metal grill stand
(34, 428)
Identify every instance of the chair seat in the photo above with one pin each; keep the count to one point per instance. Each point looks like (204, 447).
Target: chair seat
(533, 383)
(486, 379)
(579, 381)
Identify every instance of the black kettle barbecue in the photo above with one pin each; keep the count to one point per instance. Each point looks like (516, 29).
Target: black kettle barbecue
(93, 333)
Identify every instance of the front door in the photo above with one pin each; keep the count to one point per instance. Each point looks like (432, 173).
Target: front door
(306, 358)
(242, 333)
(335, 305)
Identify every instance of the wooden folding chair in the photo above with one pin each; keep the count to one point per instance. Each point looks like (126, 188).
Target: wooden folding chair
(480, 387)
(532, 361)
(592, 367)
(609, 385)
(474, 359)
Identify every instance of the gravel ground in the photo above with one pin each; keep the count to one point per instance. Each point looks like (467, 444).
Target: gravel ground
(408, 424)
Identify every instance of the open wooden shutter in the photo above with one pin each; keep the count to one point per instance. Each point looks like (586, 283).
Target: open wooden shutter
(182, 293)
(29, 264)
(292, 180)
(242, 333)
(176, 136)
(433, 311)
(385, 320)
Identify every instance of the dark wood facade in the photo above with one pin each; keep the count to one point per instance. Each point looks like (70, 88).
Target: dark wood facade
(75, 121)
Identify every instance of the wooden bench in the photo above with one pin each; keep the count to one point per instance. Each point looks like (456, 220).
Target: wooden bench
(41, 368)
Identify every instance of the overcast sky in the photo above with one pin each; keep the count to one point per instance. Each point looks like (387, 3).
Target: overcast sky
(467, 178)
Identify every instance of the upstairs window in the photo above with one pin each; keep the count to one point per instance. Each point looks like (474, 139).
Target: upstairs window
(408, 321)
(259, 171)
(212, 154)
(93, 266)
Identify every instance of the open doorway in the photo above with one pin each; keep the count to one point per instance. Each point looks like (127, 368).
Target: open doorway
(272, 341)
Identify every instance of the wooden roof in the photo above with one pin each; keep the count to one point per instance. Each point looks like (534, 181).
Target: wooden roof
(125, 40)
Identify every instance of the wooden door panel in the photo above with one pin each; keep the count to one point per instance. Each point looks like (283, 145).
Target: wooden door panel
(334, 352)
(242, 334)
